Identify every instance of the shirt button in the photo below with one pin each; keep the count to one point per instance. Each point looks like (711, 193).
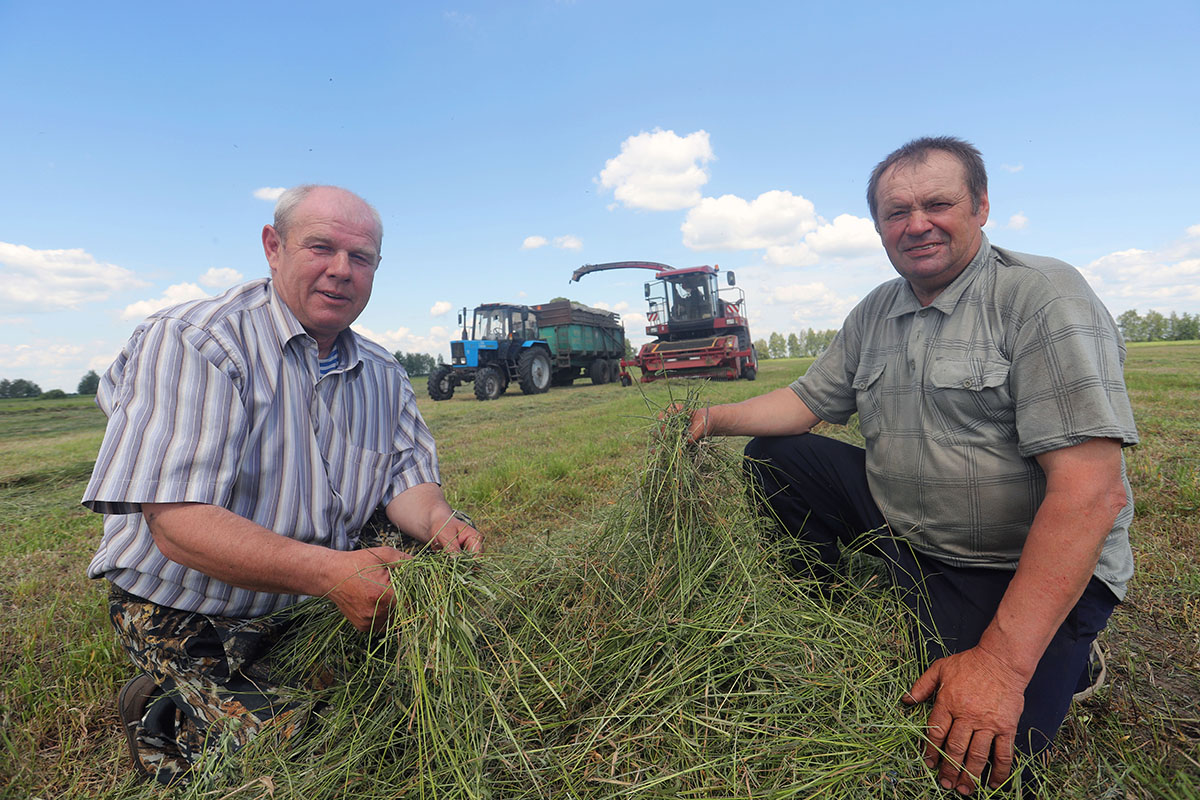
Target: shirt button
(912, 364)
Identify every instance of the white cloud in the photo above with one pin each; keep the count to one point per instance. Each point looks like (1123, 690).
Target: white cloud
(568, 242)
(731, 223)
(846, 237)
(47, 280)
(1018, 222)
(220, 278)
(533, 242)
(1166, 279)
(659, 171)
(176, 294)
(1012, 167)
(269, 193)
(439, 308)
(403, 339)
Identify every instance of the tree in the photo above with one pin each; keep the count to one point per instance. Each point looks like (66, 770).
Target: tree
(628, 348)
(19, 388)
(777, 345)
(89, 383)
(761, 349)
(793, 344)
(53, 394)
(416, 364)
(1131, 325)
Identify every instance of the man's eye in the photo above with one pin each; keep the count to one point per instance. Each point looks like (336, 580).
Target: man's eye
(320, 249)
(360, 259)
(897, 215)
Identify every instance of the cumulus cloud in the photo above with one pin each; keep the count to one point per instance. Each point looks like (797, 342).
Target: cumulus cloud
(659, 170)
(1167, 278)
(220, 277)
(534, 242)
(1018, 222)
(50, 280)
(403, 339)
(269, 193)
(1012, 167)
(439, 308)
(731, 223)
(176, 294)
(846, 237)
(42, 354)
(568, 242)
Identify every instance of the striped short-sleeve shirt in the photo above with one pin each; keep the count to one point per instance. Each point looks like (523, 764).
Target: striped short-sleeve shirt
(1015, 358)
(221, 401)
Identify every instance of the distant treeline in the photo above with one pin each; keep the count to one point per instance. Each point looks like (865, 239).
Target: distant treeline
(417, 364)
(1154, 327)
(805, 344)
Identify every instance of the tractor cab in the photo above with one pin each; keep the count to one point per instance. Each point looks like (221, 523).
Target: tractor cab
(500, 322)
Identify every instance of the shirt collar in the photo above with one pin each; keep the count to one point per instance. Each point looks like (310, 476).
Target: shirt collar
(286, 328)
(905, 302)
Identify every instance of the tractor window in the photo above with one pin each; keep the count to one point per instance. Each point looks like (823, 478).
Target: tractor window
(490, 324)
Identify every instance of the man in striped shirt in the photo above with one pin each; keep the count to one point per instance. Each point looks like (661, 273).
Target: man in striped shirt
(251, 438)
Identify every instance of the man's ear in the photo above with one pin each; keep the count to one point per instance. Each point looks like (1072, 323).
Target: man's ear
(272, 245)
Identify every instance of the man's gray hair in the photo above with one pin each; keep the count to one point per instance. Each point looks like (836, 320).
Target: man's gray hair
(917, 151)
(290, 200)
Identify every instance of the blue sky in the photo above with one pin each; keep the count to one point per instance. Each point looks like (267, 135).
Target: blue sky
(506, 144)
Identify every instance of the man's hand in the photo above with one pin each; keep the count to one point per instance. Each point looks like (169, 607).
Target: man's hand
(978, 703)
(456, 535)
(364, 592)
(697, 424)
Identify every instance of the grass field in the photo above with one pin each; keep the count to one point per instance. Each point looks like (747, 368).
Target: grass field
(526, 468)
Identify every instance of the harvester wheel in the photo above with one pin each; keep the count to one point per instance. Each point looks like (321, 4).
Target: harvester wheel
(441, 383)
(598, 371)
(749, 373)
(534, 370)
(488, 383)
(626, 381)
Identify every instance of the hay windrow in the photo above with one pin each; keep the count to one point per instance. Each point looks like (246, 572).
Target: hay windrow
(657, 651)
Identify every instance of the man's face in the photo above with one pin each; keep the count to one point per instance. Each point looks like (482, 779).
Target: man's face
(926, 222)
(324, 270)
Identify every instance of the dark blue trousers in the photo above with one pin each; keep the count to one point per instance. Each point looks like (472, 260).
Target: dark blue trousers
(816, 488)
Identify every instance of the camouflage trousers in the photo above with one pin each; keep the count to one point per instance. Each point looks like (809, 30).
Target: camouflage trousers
(218, 687)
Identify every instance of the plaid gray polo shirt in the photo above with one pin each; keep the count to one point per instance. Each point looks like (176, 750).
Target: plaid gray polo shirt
(1015, 358)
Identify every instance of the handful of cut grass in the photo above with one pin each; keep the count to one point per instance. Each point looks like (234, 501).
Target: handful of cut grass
(658, 652)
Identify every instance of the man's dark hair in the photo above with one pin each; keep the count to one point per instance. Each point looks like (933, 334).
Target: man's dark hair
(918, 150)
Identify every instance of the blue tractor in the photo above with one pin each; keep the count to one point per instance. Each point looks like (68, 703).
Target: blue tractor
(501, 346)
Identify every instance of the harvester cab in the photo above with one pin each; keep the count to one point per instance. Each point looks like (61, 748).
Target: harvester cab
(697, 331)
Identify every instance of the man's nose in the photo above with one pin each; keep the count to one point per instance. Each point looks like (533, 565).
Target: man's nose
(918, 223)
(338, 265)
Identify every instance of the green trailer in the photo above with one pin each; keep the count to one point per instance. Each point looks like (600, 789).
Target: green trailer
(583, 341)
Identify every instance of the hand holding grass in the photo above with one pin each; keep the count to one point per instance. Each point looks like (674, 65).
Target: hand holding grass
(978, 703)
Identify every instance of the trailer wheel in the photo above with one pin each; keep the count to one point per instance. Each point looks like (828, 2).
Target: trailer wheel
(488, 383)
(598, 371)
(534, 370)
(441, 383)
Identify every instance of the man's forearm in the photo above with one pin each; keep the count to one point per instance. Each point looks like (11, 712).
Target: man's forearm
(777, 413)
(232, 549)
(1059, 556)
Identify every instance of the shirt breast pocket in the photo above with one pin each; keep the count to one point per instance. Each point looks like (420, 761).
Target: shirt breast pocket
(868, 398)
(969, 401)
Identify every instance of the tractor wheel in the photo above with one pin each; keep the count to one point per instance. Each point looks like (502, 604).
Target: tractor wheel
(534, 371)
(488, 383)
(598, 371)
(441, 383)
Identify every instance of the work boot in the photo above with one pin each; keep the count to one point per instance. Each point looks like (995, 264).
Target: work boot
(132, 701)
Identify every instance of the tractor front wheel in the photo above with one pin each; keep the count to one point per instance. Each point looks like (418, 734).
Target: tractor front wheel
(441, 383)
(534, 370)
(488, 383)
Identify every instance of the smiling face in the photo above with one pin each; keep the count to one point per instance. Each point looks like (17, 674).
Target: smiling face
(324, 268)
(926, 221)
